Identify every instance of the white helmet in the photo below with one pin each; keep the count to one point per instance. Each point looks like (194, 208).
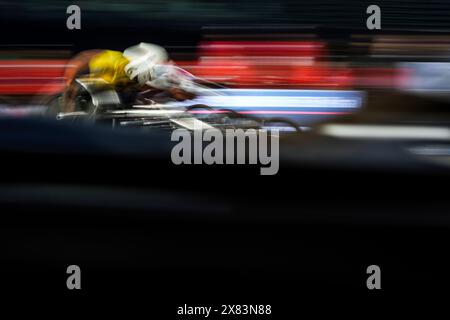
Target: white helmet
(143, 57)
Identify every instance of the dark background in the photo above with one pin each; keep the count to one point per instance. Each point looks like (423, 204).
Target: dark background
(118, 24)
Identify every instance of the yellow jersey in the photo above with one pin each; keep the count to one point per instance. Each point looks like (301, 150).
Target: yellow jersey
(110, 66)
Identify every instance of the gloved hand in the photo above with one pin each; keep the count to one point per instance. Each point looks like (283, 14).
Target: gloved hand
(172, 77)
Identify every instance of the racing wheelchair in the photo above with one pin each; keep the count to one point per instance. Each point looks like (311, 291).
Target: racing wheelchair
(93, 100)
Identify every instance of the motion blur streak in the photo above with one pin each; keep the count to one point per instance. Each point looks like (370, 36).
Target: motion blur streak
(386, 132)
(274, 112)
(18, 77)
(268, 64)
(299, 105)
(265, 64)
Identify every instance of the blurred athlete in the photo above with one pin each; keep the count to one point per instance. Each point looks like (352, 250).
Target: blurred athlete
(139, 68)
